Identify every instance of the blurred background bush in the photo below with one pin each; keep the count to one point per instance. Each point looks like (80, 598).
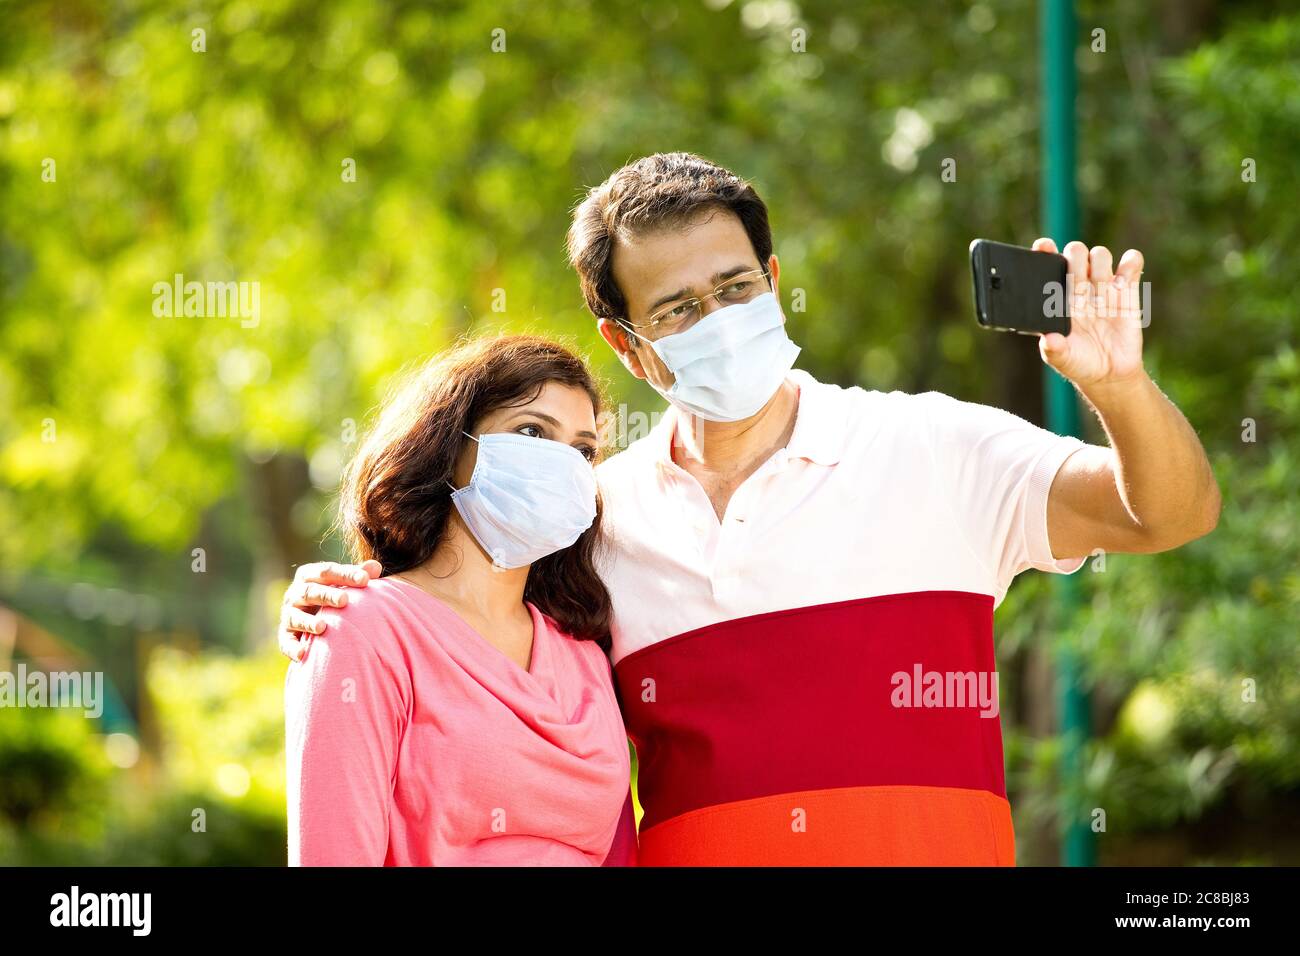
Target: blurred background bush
(161, 476)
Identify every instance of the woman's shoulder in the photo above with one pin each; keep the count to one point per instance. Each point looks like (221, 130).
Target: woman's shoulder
(362, 642)
(365, 604)
(379, 615)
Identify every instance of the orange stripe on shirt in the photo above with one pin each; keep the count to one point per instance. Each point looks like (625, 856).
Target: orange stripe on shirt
(848, 826)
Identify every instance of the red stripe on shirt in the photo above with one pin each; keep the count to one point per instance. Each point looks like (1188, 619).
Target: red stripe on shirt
(802, 700)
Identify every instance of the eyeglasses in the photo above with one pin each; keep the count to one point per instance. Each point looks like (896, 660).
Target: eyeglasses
(681, 315)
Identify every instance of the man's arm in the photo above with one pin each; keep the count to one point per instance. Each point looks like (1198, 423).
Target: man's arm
(1153, 489)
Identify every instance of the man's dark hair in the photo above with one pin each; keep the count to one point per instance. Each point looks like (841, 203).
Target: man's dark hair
(665, 189)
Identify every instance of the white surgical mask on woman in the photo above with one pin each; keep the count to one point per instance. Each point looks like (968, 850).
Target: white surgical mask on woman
(730, 363)
(527, 498)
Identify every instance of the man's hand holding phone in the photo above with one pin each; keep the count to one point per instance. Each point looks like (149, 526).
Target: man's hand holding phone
(1086, 313)
(1105, 342)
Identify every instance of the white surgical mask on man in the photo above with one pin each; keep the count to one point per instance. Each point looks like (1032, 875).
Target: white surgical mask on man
(527, 498)
(730, 363)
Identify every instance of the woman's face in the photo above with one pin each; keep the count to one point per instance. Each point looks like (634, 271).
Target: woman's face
(560, 413)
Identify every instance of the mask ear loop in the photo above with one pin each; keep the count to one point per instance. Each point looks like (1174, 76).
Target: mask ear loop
(647, 341)
(651, 345)
(453, 488)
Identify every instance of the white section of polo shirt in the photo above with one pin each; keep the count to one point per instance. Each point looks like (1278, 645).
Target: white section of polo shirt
(875, 493)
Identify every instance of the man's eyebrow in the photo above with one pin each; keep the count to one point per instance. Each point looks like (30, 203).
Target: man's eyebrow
(717, 277)
(665, 299)
(550, 420)
(725, 274)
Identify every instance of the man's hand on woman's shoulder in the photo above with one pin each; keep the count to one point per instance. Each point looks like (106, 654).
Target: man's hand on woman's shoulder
(315, 586)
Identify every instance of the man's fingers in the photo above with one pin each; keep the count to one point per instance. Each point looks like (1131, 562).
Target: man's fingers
(1130, 266)
(1105, 298)
(295, 631)
(1053, 347)
(291, 646)
(318, 595)
(1128, 277)
(296, 619)
(317, 585)
(1076, 277)
(1076, 254)
(1099, 264)
(1096, 285)
(330, 572)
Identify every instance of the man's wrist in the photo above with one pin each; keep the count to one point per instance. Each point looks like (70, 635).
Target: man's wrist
(1118, 393)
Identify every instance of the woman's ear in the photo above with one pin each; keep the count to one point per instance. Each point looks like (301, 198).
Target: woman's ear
(620, 340)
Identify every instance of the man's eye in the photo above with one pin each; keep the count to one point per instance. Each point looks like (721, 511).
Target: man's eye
(737, 288)
(677, 311)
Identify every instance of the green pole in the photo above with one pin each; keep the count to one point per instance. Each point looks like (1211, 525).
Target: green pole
(1060, 203)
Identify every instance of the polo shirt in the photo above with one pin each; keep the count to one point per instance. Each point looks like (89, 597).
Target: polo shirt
(808, 680)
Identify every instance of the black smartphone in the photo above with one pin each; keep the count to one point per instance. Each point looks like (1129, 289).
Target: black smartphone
(1018, 289)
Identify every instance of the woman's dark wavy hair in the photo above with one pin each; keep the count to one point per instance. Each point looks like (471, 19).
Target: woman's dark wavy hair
(395, 500)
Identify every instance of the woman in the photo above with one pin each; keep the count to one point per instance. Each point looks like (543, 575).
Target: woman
(462, 711)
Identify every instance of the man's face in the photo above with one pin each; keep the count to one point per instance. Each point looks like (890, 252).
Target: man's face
(686, 259)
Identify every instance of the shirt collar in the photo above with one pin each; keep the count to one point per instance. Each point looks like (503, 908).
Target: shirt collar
(819, 426)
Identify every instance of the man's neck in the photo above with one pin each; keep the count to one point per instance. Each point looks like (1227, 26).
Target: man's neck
(721, 455)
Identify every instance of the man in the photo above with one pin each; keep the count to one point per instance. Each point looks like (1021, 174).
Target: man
(803, 575)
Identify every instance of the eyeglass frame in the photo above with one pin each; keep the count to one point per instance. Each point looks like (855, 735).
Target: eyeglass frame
(699, 300)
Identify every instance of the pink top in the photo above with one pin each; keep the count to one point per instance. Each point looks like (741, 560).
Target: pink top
(412, 741)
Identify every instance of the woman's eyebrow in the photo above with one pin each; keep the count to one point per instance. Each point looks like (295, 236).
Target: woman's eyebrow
(550, 420)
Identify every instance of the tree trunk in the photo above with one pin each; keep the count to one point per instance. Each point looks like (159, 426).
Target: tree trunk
(276, 486)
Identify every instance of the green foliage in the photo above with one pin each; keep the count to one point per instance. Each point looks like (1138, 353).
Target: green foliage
(52, 768)
(221, 719)
(215, 798)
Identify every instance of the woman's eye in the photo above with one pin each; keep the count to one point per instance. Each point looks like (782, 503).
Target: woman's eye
(532, 431)
(588, 451)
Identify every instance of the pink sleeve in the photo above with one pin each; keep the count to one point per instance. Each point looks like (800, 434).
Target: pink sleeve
(622, 852)
(345, 712)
